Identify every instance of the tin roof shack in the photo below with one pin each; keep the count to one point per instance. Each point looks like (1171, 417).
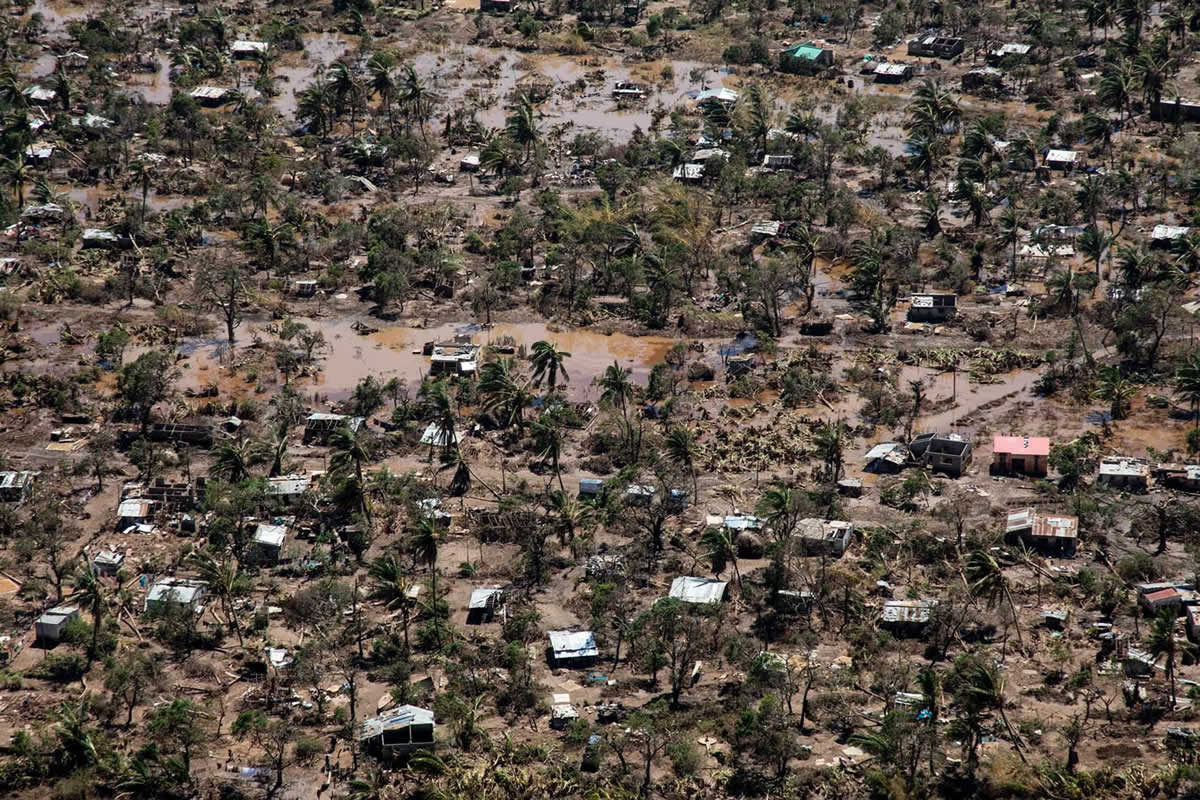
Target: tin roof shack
(1020, 455)
(1052, 534)
(1062, 160)
(101, 239)
(484, 604)
(400, 730)
(1157, 600)
(933, 307)
(1033, 254)
(562, 713)
(39, 95)
(49, 626)
(983, 82)
(305, 288)
(806, 58)
(828, 537)
(319, 425)
(107, 563)
(720, 95)
(688, 173)
(779, 161)
(698, 591)
(209, 96)
(886, 459)
(639, 495)
(267, 545)
(933, 46)
(246, 49)
(199, 435)
(590, 487)
(134, 512)
(451, 358)
(572, 649)
(1055, 619)
(1129, 474)
(176, 593)
(287, 488)
(892, 72)
(1175, 110)
(1179, 476)
(1192, 614)
(1009, 54)
(1166, 235)
(906, 617)
(949, 453)
(15, 486)
(628, 90)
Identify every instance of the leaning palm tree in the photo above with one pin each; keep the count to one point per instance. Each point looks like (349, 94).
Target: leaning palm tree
(233, 459)
(548, 435)
(521, 126)
(504, 392)
(983, 690)
(988, 581)
(548, 361)
(1116, 388)
(682, 449)
(722, 551)
(441, 403)
(391, 585)
(1163, 643)
(222, 578)
(351, 450)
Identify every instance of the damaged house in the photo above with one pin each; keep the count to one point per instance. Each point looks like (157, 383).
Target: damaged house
(1052, 534)
(824, 536)
(1128, 474)
(949, 453)
(398, 731)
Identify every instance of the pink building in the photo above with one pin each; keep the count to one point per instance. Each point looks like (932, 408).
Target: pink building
(1026, 455)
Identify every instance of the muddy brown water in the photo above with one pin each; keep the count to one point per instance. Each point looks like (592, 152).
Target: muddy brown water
(395, 352)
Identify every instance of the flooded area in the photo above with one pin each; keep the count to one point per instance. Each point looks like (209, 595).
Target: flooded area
(154, 87)
(57, 14)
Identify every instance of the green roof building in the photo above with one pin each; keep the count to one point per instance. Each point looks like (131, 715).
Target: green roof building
(805, 58)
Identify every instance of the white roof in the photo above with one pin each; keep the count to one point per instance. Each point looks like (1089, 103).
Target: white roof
(742, 522)
(287, 484)
(480, 597)
(40, 94)
(58, 614)
(1120, 465)
(92, 121)
(1169, 232)
(721, 95)
(883, 450)
(1046, 251)
(702, 591)
(109, 557)
(470, 160)
(573, 644)
(688, 172)
(208, 93)
(268, 534)
(135, 508)
(278, 656)
(99, 233)
(248, 46)
(176, 590)
(1061, 155)
(39, 151)
(10, 479)
(394, 719)
(434, 435)
(891, 68)
(1013, 48)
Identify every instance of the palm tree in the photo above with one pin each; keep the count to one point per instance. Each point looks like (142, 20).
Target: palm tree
(233, 459)
(722, 550)
(1187, 252)
(381, 80)
(1116, 388)
(499, 157)
(975, 196)
(547, 360)
(1099, 129)
(983, 691)
(314, 105)
(418, 100)
(930, 214)
(350, 451)
(827, 440)
(347, 90)
(682, 449)
(572, 515)
(504, 392)
(1187, 384)
(1093, 244)
(521, 126)
(933, 108)
(16, 174)
(222, 578)
(548, 435)
(987, 580)
(445, 417)
(392, 587)
(1162, 642)
(616, 389)
(1090, 193)
(89, 591)
(926, 151)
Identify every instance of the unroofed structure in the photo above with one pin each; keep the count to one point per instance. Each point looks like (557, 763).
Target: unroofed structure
(1052, 534)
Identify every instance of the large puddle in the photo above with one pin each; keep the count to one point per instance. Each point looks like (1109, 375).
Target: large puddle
(396, 352)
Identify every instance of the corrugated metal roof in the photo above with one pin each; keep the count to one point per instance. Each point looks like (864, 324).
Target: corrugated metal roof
(482, 598)
(176, 590)
(908, 610)
(701, 591)
(573, 644)
(268, 534)
(396, 718)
